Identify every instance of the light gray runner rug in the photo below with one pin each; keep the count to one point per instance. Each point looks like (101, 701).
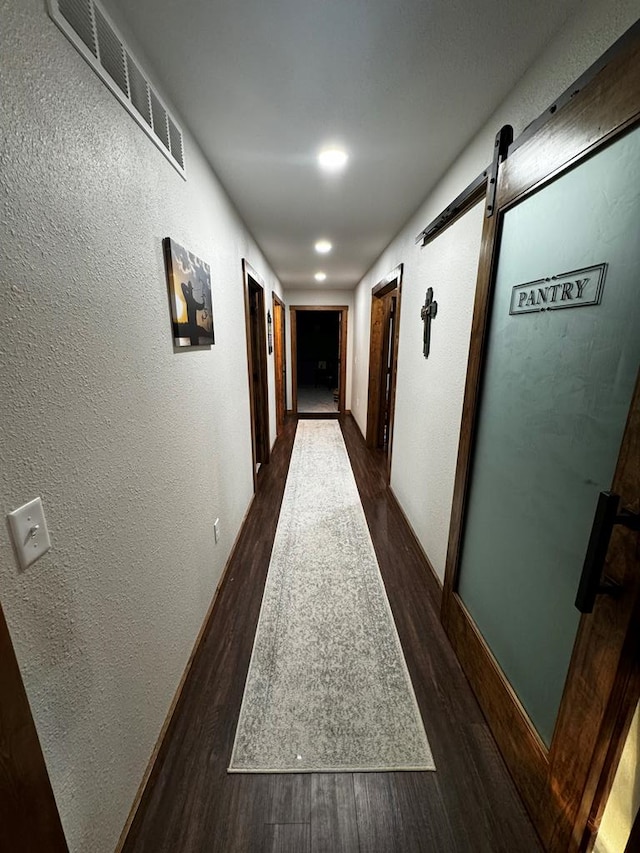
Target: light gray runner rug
(328, 688)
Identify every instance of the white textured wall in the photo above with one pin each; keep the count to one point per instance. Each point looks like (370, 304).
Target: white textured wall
(624, 801)
(321, 297)
(429, 393)
(134, 448)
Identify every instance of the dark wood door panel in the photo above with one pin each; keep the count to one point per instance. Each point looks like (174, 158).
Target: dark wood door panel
(29, 819)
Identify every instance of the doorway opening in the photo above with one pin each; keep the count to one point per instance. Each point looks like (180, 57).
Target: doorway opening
(257, 365)
(318, 363)
(279, 361)
(383, 362)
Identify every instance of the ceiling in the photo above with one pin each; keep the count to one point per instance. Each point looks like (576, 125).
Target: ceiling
(264, 84)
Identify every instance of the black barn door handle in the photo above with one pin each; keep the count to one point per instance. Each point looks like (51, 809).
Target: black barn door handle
(591, 581)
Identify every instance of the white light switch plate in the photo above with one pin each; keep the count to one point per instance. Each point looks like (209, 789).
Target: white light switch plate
(29, 531)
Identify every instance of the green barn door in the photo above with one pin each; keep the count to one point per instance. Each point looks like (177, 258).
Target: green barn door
(561, 365)
(553, 436)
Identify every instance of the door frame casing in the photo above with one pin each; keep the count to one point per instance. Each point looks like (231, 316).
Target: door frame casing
(279, 359)
(260, 445)
(567, 819)
(377, 350)
(342, 380)
(29, 817)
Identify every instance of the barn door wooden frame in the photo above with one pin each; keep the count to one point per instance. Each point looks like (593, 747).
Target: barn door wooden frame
(566, 815)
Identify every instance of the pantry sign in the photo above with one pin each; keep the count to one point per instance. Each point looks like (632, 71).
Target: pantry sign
(574, 289)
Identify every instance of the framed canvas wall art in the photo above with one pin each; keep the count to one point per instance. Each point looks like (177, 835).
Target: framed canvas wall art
(189, 283)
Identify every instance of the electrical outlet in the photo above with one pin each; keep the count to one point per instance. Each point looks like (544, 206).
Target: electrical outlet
(216, 529)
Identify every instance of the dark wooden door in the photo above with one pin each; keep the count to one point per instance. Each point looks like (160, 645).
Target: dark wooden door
(388, 370)
(29, 819)
(279, 361)
(383, 364)
(568, 198)
(257, 365)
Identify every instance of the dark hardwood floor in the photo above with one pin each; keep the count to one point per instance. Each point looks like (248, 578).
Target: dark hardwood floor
(191, 803)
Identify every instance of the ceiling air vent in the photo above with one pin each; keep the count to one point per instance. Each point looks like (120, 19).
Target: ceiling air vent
(78, 14)
(159, 115)
(175, 138)
(111, 52)
(139, 89)
(88, 27)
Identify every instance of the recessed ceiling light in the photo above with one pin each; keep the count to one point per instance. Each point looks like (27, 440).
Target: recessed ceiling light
(332, 159)
(320, 276)
(323, 246)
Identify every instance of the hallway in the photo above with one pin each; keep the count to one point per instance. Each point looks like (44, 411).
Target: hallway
(192, 804)
(262, 161)
(316, 400)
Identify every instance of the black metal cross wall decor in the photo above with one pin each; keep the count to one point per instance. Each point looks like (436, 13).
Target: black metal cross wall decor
(428, 312)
